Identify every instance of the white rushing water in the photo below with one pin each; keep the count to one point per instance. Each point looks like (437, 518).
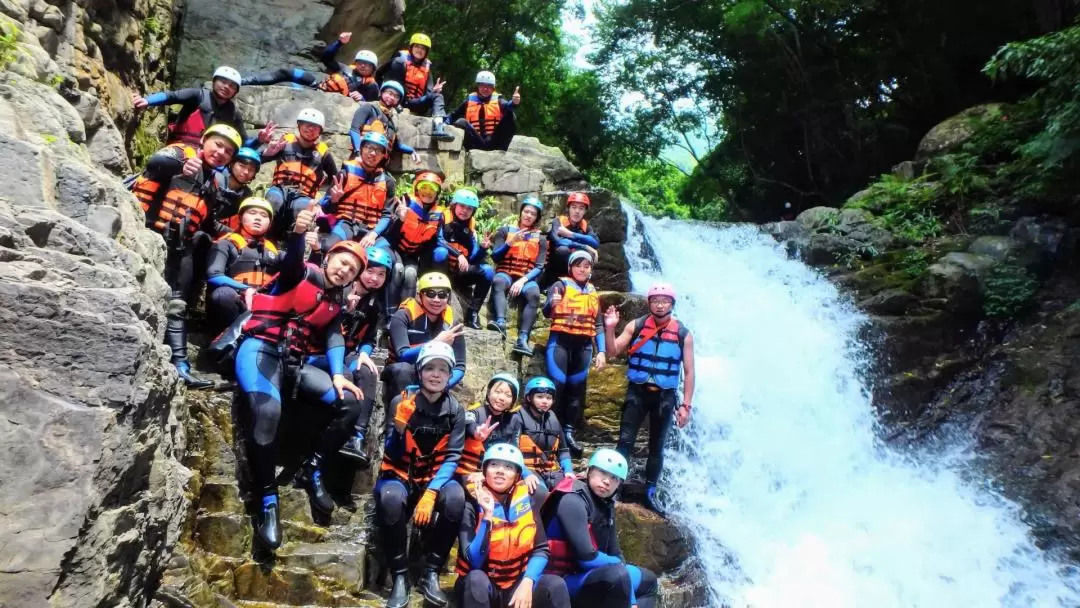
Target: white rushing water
(790, 497)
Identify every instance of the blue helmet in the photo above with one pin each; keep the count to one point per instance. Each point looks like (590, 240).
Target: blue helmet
(533, 201)
(508, 378)
(377, 256)
(607, 459)
(250, 155)
(466, 197)
(374, 137)
(393, 84)
(539, 384)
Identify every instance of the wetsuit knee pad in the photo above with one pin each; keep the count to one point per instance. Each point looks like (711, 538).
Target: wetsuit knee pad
(488, 270)
(440, 255)
(266, 414)
(297, 73)
(390, 498)
(409, 272)
(477, 586)
(276, 197)
(501, 280)
(451, 501)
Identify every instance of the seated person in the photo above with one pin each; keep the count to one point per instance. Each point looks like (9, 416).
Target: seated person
(423, 93)
(486, 118)
(427, 318)
(356, 80)
(378, 116)
(361, 194)
(467, 253)
(304, 163)
(519, 255)
(579, 518)
(240, 263)
(569, 233)
(413, 231)
(231, 188)
(540, 437)
(490, 421)
(502, 549)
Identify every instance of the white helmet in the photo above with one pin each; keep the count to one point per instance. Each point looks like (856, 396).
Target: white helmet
(485, 77)
(312, 116)
(230, 74)
(367, 57)
(435, 350)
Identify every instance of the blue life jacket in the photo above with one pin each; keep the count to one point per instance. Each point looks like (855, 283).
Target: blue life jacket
(655, 354)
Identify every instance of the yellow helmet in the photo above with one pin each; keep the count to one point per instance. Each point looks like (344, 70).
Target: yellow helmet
(433, 280)
(225, 131)
(254, 202)
(421, 39)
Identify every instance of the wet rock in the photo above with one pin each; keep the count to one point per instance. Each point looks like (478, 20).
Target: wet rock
(890, 302)
(612, 269)
(957, 278)
(649, 540)
(227, 534)
(998, 248)
(630, 306)
(604, 398)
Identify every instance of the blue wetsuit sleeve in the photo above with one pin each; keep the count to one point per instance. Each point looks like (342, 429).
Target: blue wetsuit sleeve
(601, 559)
(589, 238)
(455, 377)
(553, 235)
(335, 356)
(403, 147)
(181, 96)
(367, 348)
(329, 56)
(477, 551)
(459, 367)
(541, 258)
(455, 446)
(567, 465)
(535, 567)
(399, 338)
(157, 99)
(225, 281)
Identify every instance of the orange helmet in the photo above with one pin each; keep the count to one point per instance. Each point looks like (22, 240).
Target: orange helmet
(352, 247)
(578, 197)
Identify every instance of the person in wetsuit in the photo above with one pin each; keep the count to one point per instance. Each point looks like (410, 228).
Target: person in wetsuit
(486, 117)
(569, 233)
(467, 252)
(540, 438)
(423, 92)
(519, 254)
(356, 80)
(240, 263)
(490, 420)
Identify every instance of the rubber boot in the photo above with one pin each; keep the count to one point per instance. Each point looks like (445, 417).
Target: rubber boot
(354, 449)
(269, 531)
(575, 448)
(311, 480)
(498, 325)
(472, 319)
(438, 130)
(650, 498)
(522, 345)
(429, 588)
(176, 339)
(399, 593)
(183, 369)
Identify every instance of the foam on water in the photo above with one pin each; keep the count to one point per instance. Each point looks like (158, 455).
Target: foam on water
(781, 479)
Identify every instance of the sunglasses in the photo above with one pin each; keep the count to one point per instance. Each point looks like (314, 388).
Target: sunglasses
(427, 186)
(436, 294)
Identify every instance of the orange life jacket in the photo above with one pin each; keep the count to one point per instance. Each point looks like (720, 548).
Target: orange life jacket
(511, 540)
(365, 195)
(473, 453)
(416, 76)
(299, 167)
(484, 116)
(293, 316)
(335, 83)
(417, 231)
(148, 190)
(523, 254)
(378, 125)
(407, 462)
(576, 313)
(564, 221)
(412, 306)
(249, 267)
(536, 458)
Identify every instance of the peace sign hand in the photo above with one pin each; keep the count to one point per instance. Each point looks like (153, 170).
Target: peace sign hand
(337, 188)
(484, 430)
(439, 84)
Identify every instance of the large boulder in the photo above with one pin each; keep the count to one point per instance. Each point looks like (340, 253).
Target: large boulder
(953, 132)
(526, 167)
(92, 491)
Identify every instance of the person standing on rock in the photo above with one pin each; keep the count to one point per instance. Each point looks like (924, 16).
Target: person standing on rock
(378, 116)
(466, 253)
(303, 164)
(240, 263)
(176, 190)
(425, 433)
(201, 108)
(583, 543)
(423, 92)
(417, 322)
(660, 349)
(519, 255)
(414, 230)
(540, 439)
(502, 548)
(569, 233)
(490, 421)
(306, 301)
(356, 80)
(486, 118)
(574, 309)
(231, 188)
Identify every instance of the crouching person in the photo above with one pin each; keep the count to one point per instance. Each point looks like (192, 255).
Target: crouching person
(583, 544)
(425, 434)
(240, 263)
(503, 550)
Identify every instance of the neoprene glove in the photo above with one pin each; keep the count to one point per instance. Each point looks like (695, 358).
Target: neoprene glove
(422, 513)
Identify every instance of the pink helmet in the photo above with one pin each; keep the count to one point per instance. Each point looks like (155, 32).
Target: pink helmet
(662, 289)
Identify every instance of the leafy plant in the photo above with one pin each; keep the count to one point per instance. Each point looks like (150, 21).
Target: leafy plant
(10, 47)
(913, 263)
(907, 208)
(487, 216)
(1008, 289)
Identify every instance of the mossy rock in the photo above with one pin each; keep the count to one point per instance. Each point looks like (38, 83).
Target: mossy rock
(649, 540)
(604, 397)
(953, 132)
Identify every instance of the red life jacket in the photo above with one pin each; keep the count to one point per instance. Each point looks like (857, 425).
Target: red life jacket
(562, 559)
(365, 194)
(292, 316)
(189, 130)
(491, 113)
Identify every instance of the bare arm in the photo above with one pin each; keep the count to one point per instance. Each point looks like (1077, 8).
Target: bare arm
(617, 346)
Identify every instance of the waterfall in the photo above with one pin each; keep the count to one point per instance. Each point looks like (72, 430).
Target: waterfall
(781, 480)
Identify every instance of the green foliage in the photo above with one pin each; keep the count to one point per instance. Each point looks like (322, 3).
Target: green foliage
(487, 216)
(10, 47)
(904, 207)
(913, 263)
(1007, 291)
(144, 143)
(152, 27)
(653, 187)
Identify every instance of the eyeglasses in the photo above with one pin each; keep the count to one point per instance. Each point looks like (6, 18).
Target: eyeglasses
(436, 294)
